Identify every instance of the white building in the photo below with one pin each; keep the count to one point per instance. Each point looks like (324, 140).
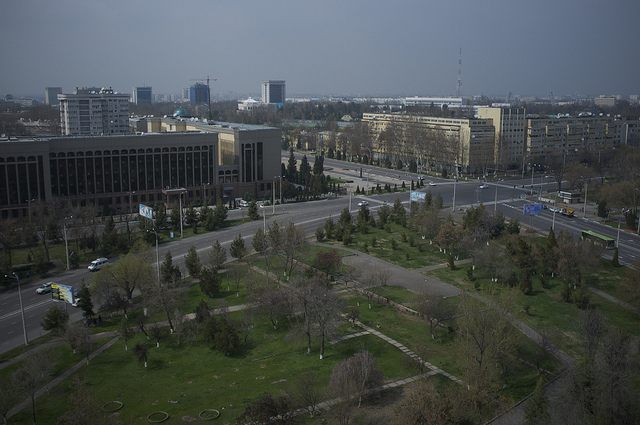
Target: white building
(273, 91)
(91, 112)
(438, 102)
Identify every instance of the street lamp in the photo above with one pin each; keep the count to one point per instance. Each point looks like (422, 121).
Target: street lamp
(532, 168)
(181, 234)
(66, 243)
(24, 326)
(273, 191)
(157, 254)
(622, 211)
(455, 180)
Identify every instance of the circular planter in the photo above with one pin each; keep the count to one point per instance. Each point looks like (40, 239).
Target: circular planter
(159, 416)
(209, 414)
(112, 406)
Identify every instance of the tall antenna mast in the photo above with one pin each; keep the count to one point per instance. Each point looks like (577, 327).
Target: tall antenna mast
(459, 81)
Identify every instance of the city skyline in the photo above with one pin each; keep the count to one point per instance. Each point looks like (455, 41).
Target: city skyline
(355, 48)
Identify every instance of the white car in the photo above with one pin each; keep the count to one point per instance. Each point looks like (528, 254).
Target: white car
(483, 186)
(97, 264)
(432, 184)
(363, 203)
(554, 209)
(44, 288)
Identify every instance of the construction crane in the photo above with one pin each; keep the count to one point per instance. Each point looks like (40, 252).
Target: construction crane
(208, 90)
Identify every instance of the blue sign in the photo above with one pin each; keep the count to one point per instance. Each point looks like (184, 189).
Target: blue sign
(418, 196)
(146, 211)
(62, 293)
(532, 209)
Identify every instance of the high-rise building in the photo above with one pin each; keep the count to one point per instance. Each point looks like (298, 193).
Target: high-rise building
(51, 95)
(142, 95)
(273, 91)
(199, 94)
(91, 112)
(510, 133)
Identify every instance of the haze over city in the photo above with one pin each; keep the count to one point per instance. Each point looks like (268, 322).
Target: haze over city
(354, 48)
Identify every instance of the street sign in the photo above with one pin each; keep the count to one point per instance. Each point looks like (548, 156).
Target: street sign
(62, 293)
(532, 209)
(418, 196)
(146, 211)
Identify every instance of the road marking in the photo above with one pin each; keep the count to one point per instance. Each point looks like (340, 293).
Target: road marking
(6, 316)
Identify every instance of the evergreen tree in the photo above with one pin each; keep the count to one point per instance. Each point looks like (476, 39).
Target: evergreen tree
(192, 262)
(615, 260)
(175, 217)
(168, 272)
(292, 170)
(253, 211)
(219, 215)
(160, 216)
(237, 249)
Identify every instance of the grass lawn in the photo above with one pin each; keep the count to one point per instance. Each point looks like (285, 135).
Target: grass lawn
(185, 379)
(421, 254)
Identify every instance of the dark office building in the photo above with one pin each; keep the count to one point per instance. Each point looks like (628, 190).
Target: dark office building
(114, 171)
(199, 94)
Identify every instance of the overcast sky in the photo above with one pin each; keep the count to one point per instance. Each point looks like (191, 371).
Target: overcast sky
(328, 47)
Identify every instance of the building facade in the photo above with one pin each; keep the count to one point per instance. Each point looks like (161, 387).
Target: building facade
(273, 91)
(433, 142)
(199, 94)
(499, 138)
(51, 95)
(510, 133)
(571, 137)
(111, 172)
(94, 112)
(142, 95)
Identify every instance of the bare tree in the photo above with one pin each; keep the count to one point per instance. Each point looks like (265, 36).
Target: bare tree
(436, 308)
(33, 374)
(289, 245)
(326, 306)
(83, 408)
(306, 392)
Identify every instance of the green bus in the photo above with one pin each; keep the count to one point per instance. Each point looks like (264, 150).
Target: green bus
(598, 239)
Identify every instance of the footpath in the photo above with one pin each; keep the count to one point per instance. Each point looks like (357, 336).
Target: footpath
(412, 280)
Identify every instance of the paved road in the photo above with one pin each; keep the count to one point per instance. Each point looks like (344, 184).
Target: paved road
(505, 196)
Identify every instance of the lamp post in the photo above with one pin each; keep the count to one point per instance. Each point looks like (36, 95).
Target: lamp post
(29, 201)
(274, 193)
(455, 180)
(66, 243)
(24, 325)
(532, 168)
(622, 211)
(157, 254)
(586, 188)
(181, 232)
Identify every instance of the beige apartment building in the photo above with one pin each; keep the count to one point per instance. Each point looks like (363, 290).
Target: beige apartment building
(434, 142)
(500, 138)
(571, 137)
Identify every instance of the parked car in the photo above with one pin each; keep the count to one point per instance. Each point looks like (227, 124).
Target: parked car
(97, 264)
(363, 203)
(483, 186)
(44, 288)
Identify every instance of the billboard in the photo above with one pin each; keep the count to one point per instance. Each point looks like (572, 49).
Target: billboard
(418, 196)
(146, 211)
(532, 209)
(62, 292)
